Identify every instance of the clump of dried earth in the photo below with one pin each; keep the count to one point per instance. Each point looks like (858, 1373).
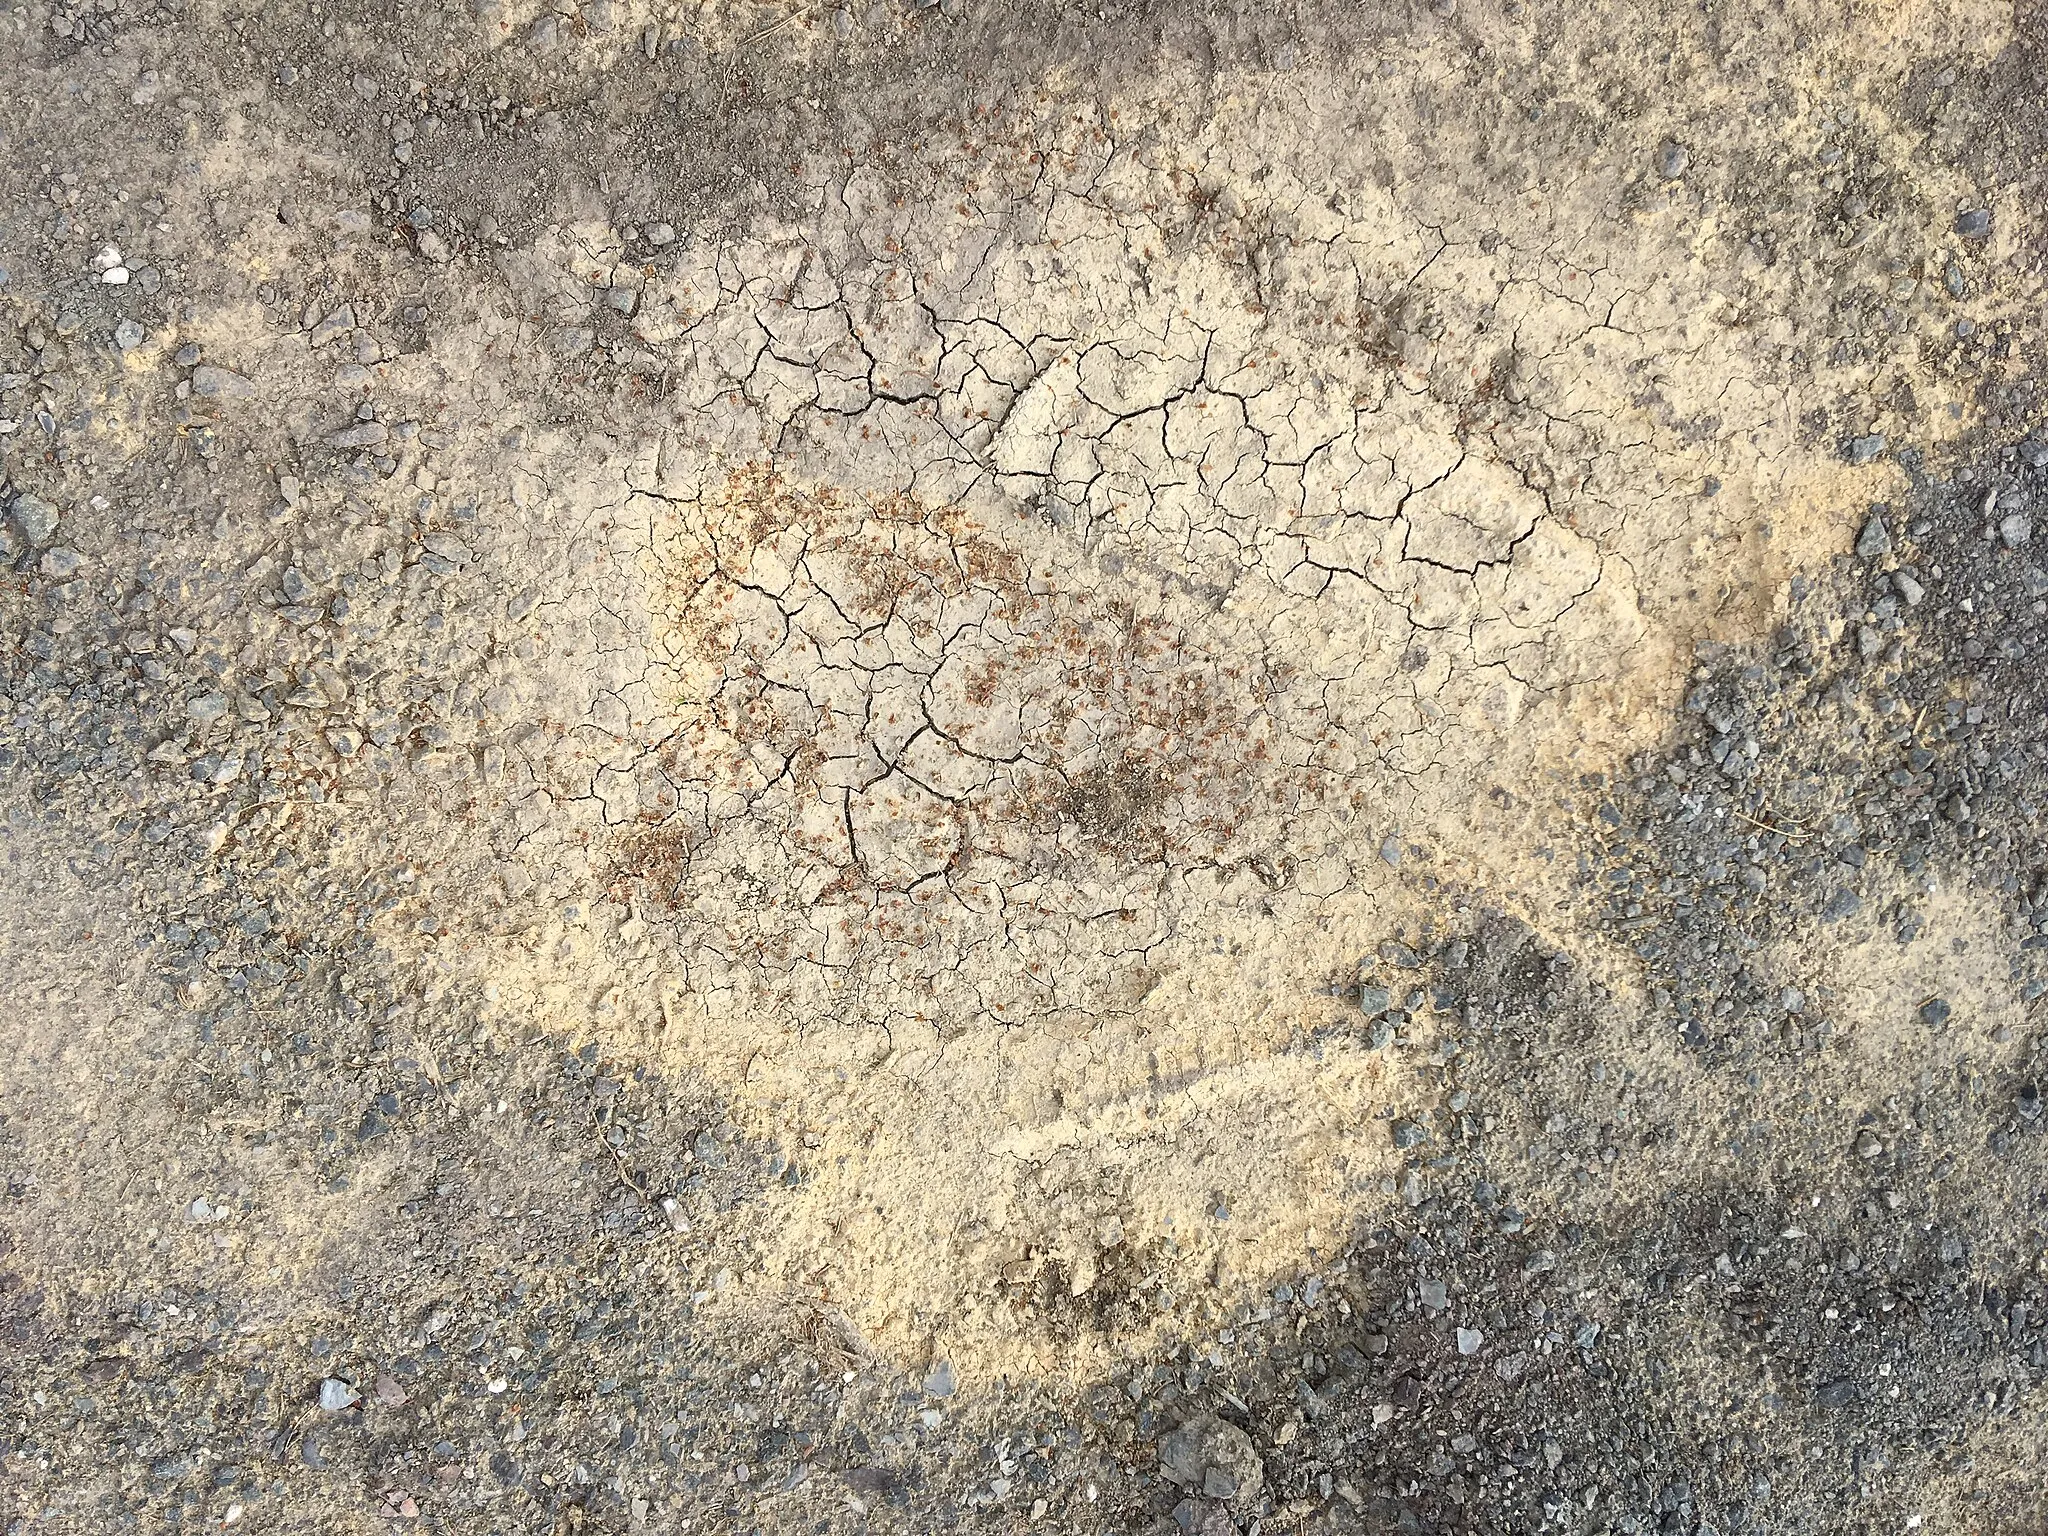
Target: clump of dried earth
(1023, 767)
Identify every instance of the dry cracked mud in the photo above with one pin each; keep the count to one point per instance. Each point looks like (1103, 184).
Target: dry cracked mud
(1094, 768)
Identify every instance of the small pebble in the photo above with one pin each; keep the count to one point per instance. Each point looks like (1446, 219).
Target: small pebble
(1836, 1394)
(36, 518)
(221, 383)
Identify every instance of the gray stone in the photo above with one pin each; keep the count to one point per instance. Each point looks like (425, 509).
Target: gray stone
(1673, 159)
(1206, 1449)
(364, 434)
(337, 321)
(1470, 1341)
(448, 547)
(1875, 539)
(2015, 529)
(1974, 222)
(36, 518)
(221, 383)
(128, 335)
(217, 768)
(1864, 449)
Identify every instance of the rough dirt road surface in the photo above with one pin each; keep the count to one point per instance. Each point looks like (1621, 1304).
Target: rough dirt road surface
(1008, 767)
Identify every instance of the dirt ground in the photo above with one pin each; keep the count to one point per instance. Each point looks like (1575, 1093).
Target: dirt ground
(1105, 768)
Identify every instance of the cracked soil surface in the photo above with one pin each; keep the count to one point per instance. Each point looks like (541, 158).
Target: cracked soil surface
(1108, 768)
